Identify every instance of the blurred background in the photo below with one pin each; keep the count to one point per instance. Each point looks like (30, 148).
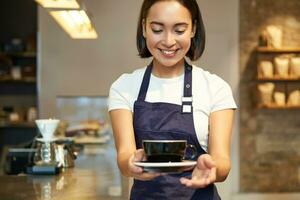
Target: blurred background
(48, 72)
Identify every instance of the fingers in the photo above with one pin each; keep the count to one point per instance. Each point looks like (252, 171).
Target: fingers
(200, 180)
(137, 172)
(139, 155)
(204, 173)
(133, 169)
(205, 161)
(192, 183)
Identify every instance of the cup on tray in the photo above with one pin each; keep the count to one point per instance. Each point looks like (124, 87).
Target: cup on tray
(168, 150)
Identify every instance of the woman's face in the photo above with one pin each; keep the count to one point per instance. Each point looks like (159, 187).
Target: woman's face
(168, 31)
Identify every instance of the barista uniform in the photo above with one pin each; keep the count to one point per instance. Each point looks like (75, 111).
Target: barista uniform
(168, 109)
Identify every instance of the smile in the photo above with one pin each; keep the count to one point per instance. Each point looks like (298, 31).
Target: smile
(168, 52)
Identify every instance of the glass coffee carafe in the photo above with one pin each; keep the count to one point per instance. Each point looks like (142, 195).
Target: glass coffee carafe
(46, 153)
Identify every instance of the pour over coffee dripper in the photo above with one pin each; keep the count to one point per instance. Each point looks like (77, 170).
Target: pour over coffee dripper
(47, 147)
(47, 128)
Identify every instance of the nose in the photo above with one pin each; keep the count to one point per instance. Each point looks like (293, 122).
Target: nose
(168, 40)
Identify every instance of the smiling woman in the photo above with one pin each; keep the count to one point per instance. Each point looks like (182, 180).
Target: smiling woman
(192, 20)
(172, 100)
(168, 30)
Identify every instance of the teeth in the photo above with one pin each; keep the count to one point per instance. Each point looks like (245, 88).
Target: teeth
(168, 52)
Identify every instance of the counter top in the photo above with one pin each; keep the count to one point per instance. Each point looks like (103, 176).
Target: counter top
(95, 176)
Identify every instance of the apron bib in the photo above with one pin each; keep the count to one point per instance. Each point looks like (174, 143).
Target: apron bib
(166, 121)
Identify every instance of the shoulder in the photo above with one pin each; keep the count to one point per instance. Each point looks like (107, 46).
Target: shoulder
(129, 79)
(123, 92)
(218, 92)
(210, 80)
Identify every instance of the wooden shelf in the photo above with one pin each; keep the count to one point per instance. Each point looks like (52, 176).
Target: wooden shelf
(275, 106)
(279, 79)
(23, 80)
(6, 124)
(276, 78)
(278, 50)
(20, 54)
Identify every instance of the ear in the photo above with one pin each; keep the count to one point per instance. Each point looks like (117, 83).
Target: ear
(194, 29)
(144, 28)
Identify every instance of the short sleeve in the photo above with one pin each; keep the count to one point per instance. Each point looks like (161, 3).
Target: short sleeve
(118, 97)
(124, 91)
(221, 97)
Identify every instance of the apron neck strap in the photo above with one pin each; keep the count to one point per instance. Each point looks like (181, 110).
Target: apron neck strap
(145, 83)
(187, 89)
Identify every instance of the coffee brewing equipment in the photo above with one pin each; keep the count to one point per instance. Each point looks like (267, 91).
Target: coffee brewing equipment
(45, 158)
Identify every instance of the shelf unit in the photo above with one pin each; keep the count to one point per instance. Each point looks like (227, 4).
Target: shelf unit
(275, 106)
(268, 52)
(15, 89)
(18, 55)
(278, 50)
(278, 79)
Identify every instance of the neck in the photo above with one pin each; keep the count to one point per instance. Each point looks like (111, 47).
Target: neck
(162, 71)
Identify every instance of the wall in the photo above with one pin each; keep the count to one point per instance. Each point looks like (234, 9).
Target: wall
(221, 20)
(86, 67)
(269, 139)
(82, 67)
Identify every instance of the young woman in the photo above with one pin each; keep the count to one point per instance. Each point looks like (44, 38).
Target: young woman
(170, 99)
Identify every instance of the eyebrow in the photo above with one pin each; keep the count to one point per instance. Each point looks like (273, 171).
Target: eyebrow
(177, 24)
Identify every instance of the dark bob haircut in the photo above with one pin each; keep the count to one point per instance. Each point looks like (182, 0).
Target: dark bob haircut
(197, 42)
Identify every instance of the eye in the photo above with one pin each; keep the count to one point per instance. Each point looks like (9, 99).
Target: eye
(156, 30)
(179, 32)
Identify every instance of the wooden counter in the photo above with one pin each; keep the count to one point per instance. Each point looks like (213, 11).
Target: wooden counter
(95, 176)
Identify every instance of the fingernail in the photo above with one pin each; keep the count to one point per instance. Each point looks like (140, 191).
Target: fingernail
(139, 170)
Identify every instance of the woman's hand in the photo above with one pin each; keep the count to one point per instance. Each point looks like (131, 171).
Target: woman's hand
(137, 172)
(204, 173)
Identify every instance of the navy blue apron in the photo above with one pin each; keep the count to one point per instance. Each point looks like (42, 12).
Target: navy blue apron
(167, 121)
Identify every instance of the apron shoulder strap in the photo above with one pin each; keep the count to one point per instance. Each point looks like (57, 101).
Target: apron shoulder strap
(145, 83)
(187, 99)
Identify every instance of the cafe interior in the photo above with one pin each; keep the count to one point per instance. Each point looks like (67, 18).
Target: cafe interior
(58, 59)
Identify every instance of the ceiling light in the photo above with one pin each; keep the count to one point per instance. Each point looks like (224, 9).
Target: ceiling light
(76, 23)
(65, 4)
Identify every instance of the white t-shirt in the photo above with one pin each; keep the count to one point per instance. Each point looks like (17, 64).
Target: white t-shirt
(210, 93)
